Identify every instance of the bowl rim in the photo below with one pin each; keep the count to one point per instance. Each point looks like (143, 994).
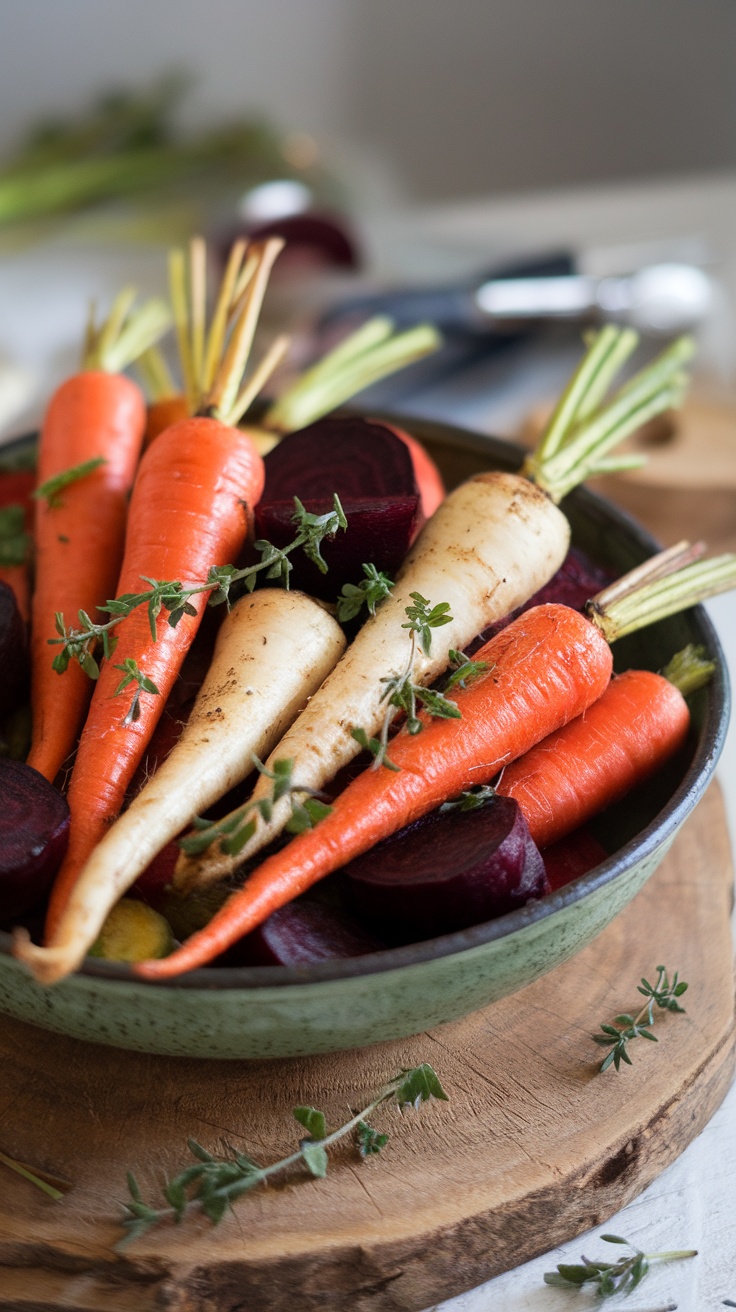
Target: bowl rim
(661, 828)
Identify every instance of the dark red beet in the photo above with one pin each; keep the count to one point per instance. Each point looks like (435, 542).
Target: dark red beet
(302, 932)
(13, 652)
(449, 870)
(34, 831)
(379, 531)
(372, 472)
(571, 857)
(576, 581)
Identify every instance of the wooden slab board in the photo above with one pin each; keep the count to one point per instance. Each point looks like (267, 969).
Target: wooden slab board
(534, 1147)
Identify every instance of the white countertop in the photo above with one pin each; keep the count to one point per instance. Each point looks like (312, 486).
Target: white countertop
(43, 297)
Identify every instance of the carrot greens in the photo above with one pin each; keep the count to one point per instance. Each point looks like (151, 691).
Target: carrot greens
(14, 541)
(213, 1184)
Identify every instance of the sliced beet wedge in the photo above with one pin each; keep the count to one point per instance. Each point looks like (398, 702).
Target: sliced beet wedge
(372, 472)
(34, 831)
(572, 857)
(449, 870)
(302, 932)
(379, 532)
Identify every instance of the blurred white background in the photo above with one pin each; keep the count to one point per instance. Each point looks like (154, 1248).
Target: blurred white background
(450, 97)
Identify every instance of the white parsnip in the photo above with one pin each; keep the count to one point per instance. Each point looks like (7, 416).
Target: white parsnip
(273, 651)
(490, 546)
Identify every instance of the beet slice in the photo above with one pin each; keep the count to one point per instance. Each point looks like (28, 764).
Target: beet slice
(372, 472)
(13, 652)
(449, 870)
(379, 531)
(34, 831)
(571, 857)
(302, 932)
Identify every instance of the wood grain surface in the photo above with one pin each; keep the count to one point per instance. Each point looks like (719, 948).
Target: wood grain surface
(534, 1147)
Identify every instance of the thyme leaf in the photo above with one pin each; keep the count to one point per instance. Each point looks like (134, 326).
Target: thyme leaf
(369, 593)
(663, 994)
(232, 833)
(609, 1278)
(133, 674)
(463, 670)
(213, 1184)
(51, 490)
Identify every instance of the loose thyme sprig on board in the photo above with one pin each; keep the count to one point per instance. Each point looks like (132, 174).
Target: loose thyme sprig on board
(307, 807)
(611, 1277)
(663, 994)
(172, 597)
(214, 1183)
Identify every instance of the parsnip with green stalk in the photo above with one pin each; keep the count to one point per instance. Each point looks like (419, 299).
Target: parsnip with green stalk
(273, 651)
(490, 546)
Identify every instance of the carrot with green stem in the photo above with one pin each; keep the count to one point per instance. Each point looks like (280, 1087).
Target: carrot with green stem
(489, 547)
(90, 444)
(542, 671)
(638, 724)
(190, 512)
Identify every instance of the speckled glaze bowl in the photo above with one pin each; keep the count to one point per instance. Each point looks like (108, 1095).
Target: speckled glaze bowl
(279, 1011)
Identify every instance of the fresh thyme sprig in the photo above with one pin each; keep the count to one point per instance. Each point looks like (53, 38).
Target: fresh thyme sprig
(400, 692)
(611, 1277)
(51, 490)
(663, 994)
(214, 1183)
(463, 670)
(171, 596)
(133, 674)
(307, 808)
(369, 593)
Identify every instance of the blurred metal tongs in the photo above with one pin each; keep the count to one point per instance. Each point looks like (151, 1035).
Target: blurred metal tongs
(662, 298)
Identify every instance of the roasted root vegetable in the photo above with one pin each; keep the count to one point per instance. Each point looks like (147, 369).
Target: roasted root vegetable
(34, 829)
(491, 541)
(190, 512)
(133, 932)
(641, 721)
(491, 545)
(546, 664)
(303, 932)
(273, 650)
(450, 869)
(90, 443)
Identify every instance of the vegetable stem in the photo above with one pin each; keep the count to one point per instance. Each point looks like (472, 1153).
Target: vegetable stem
(664, 596)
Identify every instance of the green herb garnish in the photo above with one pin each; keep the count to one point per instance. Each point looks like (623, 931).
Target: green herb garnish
(609, 1278)
(307, 809)
(214, 1183)
(369, 593)
(51, 490)
(132, 674)
(625, 1028)
(171, 596)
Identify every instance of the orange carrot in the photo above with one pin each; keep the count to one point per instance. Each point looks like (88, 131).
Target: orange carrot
(162, 413)
(543, 670)
(639, 723)
(96, 416)
(190, 510)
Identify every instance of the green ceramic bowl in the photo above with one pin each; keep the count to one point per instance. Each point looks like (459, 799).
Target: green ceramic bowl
(280, 1011)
